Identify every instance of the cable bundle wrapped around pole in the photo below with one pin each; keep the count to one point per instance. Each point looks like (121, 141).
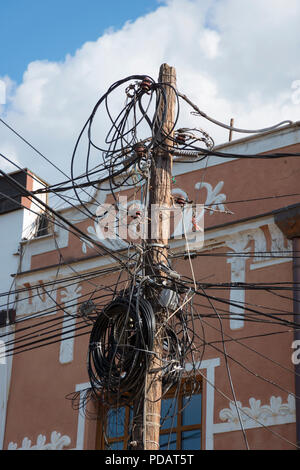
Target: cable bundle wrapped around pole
(121, 343)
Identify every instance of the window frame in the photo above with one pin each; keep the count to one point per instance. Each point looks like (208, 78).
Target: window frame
(184, 391)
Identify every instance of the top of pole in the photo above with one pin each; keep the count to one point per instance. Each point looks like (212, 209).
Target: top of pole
(167, 74)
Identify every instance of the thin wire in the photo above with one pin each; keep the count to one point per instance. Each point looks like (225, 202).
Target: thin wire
(229, 373)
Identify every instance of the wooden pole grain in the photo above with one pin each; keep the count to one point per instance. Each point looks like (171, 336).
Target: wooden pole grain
(147, 412)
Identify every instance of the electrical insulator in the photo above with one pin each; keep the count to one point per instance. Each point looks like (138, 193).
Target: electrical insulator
(169, 299)
(136, 215)
(87, 308)
(140, 150)
(196, 227)
(180, 200)
(146, 84)
(181, 138)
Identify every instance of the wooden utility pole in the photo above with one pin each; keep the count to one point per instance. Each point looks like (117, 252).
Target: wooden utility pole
(146, 422)
(230, 132)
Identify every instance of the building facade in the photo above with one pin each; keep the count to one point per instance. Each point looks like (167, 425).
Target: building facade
(244, 328)
(18, 221)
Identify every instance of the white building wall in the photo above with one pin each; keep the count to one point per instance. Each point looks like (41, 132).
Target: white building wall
(14, 226)
(11, 225)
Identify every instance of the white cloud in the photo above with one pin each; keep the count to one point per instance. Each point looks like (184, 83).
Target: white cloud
(233, 58)
(209, 43)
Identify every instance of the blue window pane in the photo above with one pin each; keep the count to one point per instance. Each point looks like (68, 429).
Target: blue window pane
(191, 440)
(115, 422)
(116, 446)
(168, 413)
(191, 413)
(167, 441)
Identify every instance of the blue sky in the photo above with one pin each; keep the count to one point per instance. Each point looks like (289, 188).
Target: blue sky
(48, 30)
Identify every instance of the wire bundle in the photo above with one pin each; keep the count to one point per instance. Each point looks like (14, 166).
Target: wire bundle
(120, 346)
(122, 338)
(173, 358)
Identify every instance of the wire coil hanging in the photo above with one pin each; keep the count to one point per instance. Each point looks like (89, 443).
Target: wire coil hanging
(120, 346)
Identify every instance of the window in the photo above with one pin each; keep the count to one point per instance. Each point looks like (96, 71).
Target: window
(117, 427)
(180, 423)
(42, 225)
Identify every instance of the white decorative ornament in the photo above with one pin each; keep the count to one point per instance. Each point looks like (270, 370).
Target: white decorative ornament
(137, 228)
(278, 241)
(117, 242)
(238, 243)
(276, 412)
(183, 218)
(213, 197)
(95, 232)
(119, 229)
(69, 294)
(33, 300)
(260, 244)
(182, 224)
(57, 442)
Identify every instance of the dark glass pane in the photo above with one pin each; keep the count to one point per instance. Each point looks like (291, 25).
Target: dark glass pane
(167, 441)
(168, 413)
(115, 422)
(116, 446)
(191, 440)
(191, 413)
(130, 419)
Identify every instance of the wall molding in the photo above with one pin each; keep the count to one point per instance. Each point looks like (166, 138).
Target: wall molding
(68, 294)
(257, 415)
(209, 365)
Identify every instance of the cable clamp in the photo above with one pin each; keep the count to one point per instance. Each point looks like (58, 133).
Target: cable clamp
(159, 245)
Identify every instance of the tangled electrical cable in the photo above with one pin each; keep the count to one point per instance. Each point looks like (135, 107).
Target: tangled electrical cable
(124, 155)
(122, 338)
(129, 137)
(120, 344)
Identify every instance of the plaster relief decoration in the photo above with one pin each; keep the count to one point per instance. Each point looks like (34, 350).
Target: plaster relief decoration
(275, 251)
(214, 199)
(257, 415)
(279, 243)
(96, 231)
(114, 219)
(115, 215)
(183, 225)
(69, 295)
(57, 442)
(260, 244)
(35, 299)
(238, 243)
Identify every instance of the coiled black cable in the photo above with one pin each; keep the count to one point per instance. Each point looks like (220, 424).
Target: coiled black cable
(121, 343)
